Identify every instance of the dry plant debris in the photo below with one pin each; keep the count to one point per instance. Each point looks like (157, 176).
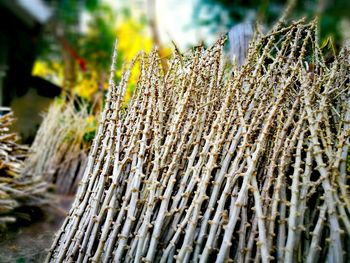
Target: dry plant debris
(59, 152)
(15, 190)
(209, 166)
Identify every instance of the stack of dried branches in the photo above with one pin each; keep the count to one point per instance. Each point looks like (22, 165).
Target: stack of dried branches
(208, 166)
(15, 190)
(59, 151)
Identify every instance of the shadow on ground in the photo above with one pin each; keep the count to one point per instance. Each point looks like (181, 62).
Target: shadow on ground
(26, 242)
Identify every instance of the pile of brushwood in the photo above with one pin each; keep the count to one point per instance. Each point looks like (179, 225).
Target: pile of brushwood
(59, 151)
(207, 165)
(16, 190)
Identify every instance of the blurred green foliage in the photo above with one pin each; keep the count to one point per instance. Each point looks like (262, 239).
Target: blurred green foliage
(227, 13)
(94, 46)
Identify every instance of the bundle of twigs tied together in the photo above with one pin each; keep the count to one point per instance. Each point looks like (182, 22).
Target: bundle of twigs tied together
(59, 152)
(15, 190)
(209, 166)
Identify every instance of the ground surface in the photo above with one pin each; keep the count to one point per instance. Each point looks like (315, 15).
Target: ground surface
(29, 243)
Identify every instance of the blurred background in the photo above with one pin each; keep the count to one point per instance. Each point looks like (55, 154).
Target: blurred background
(50, 46)
(54, 49)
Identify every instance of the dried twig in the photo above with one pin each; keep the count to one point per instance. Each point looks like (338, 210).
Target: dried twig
(206, 166)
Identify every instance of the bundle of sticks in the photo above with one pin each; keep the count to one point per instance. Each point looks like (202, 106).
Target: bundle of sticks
(207, 165)
(15, 190)
(59, 152)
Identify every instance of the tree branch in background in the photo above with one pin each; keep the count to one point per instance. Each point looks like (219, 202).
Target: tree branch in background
(152, 21)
